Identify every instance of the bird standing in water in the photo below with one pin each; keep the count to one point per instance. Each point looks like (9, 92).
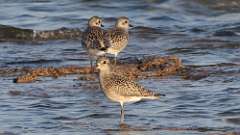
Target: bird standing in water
(92, 39)
(117, 38)
(119, 88)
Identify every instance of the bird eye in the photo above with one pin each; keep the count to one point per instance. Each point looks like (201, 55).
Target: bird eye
(125, 22)
(104, 62)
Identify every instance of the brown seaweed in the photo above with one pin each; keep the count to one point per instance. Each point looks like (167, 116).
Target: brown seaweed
(153, 66)
(10, 33)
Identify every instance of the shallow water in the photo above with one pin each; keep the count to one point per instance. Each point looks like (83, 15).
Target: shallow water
(203, 33)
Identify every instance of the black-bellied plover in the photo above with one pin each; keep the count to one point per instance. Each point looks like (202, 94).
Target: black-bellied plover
(117, 38)
(92, 39)
(119, 88)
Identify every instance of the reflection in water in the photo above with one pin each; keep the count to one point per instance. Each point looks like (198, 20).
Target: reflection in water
(125, 129)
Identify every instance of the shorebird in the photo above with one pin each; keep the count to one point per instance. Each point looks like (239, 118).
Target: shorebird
(92, 39)
(119, 88)
(117, 38)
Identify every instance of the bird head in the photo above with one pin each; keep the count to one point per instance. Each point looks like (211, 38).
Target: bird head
(123, 22)
(95, 21)
(103, 64)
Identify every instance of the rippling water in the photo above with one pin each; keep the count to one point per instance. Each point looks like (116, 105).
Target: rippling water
(205, 34)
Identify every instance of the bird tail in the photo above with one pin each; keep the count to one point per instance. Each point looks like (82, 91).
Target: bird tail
(154, 96)
(101, 52)
(108, 50)
(101, 43)
(103, 48)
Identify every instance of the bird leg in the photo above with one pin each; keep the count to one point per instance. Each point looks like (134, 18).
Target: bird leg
(91, 62)
(122, 113)
(115, 59)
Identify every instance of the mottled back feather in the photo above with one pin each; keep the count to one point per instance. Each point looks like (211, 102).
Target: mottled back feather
(122, 86)
(116, 39)
(93, 38)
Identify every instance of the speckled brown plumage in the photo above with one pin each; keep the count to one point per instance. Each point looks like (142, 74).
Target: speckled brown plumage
(122, 86)
(93, 38)
(116, 39)
(119, 88)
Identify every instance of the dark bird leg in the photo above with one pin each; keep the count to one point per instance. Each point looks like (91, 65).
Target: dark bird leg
(115, 59)
(91, 62)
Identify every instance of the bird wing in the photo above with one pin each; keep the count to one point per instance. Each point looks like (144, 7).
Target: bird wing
(113, 37)
(107, 38)
(125, 87)
(93, 38)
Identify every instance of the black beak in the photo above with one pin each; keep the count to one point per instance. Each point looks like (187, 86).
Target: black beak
(162, 95)
(102, 25)
(130, 25)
